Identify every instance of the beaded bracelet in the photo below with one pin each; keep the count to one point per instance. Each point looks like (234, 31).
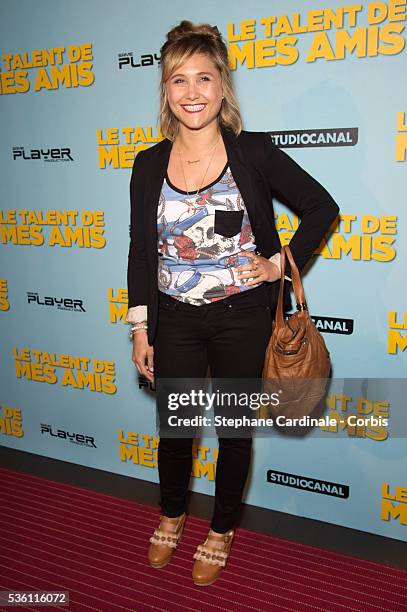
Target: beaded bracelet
(136, 328)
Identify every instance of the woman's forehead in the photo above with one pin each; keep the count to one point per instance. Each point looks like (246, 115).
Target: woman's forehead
(197, 62)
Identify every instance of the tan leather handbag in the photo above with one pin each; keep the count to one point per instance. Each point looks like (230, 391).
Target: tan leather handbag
(297, 362)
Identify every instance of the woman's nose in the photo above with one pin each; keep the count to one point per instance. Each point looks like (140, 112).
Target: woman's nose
(192, 92)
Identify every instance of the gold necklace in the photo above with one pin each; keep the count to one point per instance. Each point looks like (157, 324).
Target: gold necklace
(195, 161)
(206, 171)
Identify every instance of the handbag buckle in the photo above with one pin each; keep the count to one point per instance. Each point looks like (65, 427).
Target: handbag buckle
(292, 352)
(283, 352)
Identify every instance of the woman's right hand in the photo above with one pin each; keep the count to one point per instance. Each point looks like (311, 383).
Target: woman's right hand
(143, 355)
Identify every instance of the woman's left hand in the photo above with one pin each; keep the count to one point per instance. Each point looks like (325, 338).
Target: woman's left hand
(258, 270)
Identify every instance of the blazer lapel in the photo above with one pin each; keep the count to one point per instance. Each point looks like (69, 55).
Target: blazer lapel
(158, 168)
(240, 172)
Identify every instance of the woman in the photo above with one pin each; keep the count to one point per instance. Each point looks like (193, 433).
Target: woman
(203, 264)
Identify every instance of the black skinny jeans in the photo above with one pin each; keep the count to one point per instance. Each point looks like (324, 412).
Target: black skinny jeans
(231, 336)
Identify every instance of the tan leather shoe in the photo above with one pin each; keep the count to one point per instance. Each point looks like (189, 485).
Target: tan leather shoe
(211, 557)
(165, 540)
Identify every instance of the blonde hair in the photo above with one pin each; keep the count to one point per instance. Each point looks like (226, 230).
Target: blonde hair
(182, 42)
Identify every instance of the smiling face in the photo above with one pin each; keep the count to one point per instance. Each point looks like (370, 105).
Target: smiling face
(194, 92)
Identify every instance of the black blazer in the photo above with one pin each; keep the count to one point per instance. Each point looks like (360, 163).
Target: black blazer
(261, 170)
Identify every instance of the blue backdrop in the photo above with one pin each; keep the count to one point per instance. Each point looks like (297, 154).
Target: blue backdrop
(79, 98)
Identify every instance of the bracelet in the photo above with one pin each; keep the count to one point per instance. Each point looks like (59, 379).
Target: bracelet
(135, 331)
(136, 328)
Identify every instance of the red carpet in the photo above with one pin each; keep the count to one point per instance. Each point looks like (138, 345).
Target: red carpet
(60, 537)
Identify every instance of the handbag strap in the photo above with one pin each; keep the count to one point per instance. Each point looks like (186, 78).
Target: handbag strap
(297, 286)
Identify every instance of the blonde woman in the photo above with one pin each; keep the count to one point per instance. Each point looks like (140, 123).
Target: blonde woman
(203, 265)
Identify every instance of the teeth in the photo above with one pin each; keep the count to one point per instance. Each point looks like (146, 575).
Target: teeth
(194, 107)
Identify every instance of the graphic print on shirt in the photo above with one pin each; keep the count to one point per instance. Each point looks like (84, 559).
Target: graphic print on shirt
(197, 263)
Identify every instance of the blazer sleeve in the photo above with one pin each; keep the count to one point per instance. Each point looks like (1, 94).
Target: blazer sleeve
(137, 273)
(305, 196)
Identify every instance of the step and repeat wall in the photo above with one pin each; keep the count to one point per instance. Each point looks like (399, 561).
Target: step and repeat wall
(79, 99)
